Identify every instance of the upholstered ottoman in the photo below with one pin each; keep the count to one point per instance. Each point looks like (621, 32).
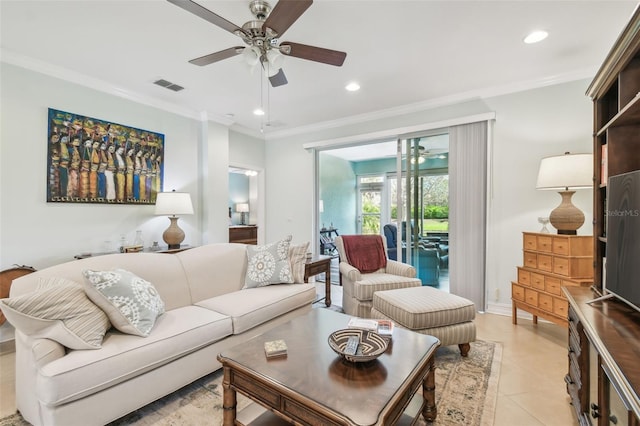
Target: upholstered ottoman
(428, 310)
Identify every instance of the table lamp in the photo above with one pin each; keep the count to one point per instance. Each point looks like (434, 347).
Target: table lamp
(565, 173)
(172, 204)
(242, 208)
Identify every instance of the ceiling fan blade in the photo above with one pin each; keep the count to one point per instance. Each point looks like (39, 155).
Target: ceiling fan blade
(312, 53)
(284, 14)
(207, 15)
(217, 56)
(279, 79)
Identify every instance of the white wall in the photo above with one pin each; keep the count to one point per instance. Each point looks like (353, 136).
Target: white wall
(40, 234)
(529, 125)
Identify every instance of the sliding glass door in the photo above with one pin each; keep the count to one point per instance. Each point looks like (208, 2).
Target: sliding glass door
(421, 205)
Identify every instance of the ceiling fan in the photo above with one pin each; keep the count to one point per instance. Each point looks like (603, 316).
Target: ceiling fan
(261, 37)
(424, 153)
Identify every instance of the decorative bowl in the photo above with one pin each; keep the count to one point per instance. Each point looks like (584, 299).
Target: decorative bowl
(371, 346)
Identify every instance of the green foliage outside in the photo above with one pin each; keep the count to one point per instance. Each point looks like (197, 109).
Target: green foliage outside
(370, 216)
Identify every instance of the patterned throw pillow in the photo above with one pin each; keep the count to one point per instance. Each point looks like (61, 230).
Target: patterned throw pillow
(298, 257)
(268, 264)
(131, 303)
(58, 310)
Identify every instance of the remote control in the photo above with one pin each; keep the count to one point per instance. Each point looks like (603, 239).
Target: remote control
(352, 345)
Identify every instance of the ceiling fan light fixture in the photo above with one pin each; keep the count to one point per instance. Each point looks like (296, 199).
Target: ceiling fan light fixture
(258, 111)
(251, 55)
(275, 58)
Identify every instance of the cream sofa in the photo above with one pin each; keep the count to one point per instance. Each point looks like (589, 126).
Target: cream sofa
(206, 311)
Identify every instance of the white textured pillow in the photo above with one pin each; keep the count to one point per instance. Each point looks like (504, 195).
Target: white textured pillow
(58, 310)
(298, 258)
(131, 303)
(268, 264)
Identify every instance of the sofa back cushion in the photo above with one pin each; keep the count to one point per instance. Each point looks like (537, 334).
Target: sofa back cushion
(214, 269)
(164, 271)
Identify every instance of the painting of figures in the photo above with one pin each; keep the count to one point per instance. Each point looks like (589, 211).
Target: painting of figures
(94, 161)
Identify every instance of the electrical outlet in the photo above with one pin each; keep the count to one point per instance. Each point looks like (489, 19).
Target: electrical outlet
(497, 294)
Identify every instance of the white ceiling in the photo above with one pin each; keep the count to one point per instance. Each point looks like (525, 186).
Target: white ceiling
(403, 53)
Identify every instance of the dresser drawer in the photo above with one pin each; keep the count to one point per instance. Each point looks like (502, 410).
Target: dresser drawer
(544, 244)
(552, 285)
(560, 307)
(545, 262)
(537, 281)
(530, 260)
(524, 277)
(545, 302)
(530, 242)
(531, 297)
(561, 266)
(517, 292)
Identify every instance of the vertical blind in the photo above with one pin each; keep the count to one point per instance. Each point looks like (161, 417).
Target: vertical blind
(467, 211)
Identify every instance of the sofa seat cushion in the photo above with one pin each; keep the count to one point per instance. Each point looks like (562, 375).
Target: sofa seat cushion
(364, 288)
(177, 332)
(424, 307)
(251, 307)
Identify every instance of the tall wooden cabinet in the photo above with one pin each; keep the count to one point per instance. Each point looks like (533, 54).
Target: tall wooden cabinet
(550, 261)
(603, 377)
(616, 127)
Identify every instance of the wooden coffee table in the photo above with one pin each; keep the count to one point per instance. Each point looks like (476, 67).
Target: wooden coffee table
(312, 385)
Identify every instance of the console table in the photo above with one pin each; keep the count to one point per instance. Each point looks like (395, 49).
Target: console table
(603, 380)
(162, 249)
(244, 234)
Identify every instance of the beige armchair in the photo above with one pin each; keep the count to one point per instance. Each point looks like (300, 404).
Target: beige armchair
(358, 288)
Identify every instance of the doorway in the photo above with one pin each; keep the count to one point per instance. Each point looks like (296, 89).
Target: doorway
(246, 199)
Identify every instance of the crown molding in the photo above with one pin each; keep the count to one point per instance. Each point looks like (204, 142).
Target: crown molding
(437, 102)
(66, 74)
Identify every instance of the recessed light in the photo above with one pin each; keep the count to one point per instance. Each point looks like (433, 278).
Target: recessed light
(352, 87)
(535, 37)
(258, 111)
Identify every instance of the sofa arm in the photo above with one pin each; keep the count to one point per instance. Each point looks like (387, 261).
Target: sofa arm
(353, 274)
(45, 350)
(398, 268)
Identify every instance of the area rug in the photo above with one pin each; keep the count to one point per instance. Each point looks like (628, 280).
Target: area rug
(466, 391)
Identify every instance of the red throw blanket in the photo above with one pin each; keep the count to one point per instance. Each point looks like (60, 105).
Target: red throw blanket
(365, 252)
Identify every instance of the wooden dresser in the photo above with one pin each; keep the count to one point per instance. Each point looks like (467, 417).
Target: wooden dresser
(551, 261)
(244, 234)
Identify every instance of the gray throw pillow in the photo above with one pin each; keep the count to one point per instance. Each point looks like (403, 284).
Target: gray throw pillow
(131, 303)
(268, 264)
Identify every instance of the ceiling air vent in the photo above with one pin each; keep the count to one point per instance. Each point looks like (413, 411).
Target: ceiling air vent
(168, 85)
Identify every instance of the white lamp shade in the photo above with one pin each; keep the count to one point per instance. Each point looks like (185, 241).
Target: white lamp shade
(275, 59)
(173, 203)
(242, 207)
(251, 55)
(566, 172)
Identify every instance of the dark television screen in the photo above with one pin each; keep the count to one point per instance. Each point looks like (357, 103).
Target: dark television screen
(623, 237)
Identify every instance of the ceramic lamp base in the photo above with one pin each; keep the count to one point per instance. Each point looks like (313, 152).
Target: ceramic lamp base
(173, 235)
(566, 218)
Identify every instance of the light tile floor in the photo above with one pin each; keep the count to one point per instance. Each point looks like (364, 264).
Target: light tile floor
(531, 390)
